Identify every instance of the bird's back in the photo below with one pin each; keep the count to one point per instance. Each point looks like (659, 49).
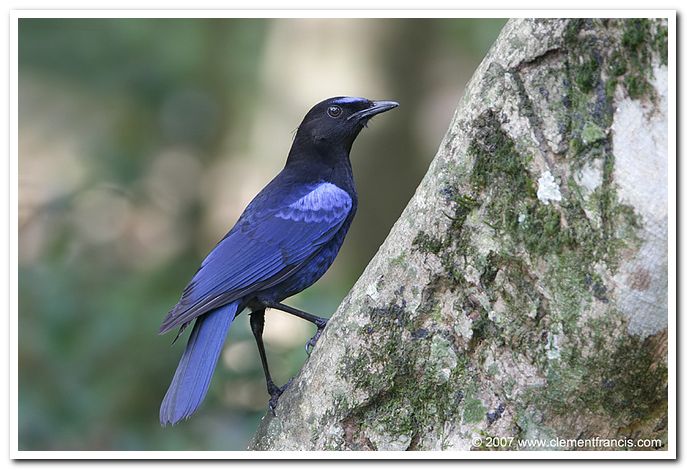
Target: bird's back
(284, 241)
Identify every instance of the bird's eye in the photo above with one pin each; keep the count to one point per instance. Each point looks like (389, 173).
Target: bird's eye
(334, 111)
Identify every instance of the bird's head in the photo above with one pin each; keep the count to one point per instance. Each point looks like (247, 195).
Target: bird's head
(336, 122)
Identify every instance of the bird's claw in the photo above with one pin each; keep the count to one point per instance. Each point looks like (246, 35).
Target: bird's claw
(275, 393)
(310, 345)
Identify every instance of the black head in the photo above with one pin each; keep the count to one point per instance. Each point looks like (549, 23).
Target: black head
(336, 122)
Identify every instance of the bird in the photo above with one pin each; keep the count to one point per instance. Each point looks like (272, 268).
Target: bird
(284, 241)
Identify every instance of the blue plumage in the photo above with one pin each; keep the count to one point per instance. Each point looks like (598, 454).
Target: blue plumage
(349, 100)
(271, 239)
(285, 240)
(192, 377)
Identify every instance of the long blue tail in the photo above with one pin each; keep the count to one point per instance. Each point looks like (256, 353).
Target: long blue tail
(192, 377)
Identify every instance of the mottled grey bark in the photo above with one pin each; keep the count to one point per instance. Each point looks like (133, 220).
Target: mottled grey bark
(523, 291)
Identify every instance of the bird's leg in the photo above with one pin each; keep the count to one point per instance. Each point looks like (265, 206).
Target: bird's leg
(318, 321)
(257, 325)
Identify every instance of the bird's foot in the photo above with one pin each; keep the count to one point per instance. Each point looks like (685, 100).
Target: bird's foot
(276, 392)
(310, 345)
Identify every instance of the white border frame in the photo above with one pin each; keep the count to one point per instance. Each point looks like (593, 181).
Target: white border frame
(14, 17)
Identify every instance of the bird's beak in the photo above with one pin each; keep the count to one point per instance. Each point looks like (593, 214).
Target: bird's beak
(376, 108)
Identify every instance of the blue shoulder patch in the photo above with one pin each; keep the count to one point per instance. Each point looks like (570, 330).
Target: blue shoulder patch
(325, 203)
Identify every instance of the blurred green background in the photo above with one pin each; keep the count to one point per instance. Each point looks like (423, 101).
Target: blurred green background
(140, 143)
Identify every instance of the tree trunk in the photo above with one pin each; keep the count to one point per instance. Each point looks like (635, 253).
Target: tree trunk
(523, 291)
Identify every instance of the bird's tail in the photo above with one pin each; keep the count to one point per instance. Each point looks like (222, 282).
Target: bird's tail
(192, 377)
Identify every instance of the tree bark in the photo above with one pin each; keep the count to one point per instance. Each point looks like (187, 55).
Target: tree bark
(523, 291)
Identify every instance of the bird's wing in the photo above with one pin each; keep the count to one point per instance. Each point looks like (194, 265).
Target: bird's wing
(261, 250)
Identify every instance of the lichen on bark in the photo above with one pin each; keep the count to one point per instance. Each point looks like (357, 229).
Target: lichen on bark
(495, 308)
